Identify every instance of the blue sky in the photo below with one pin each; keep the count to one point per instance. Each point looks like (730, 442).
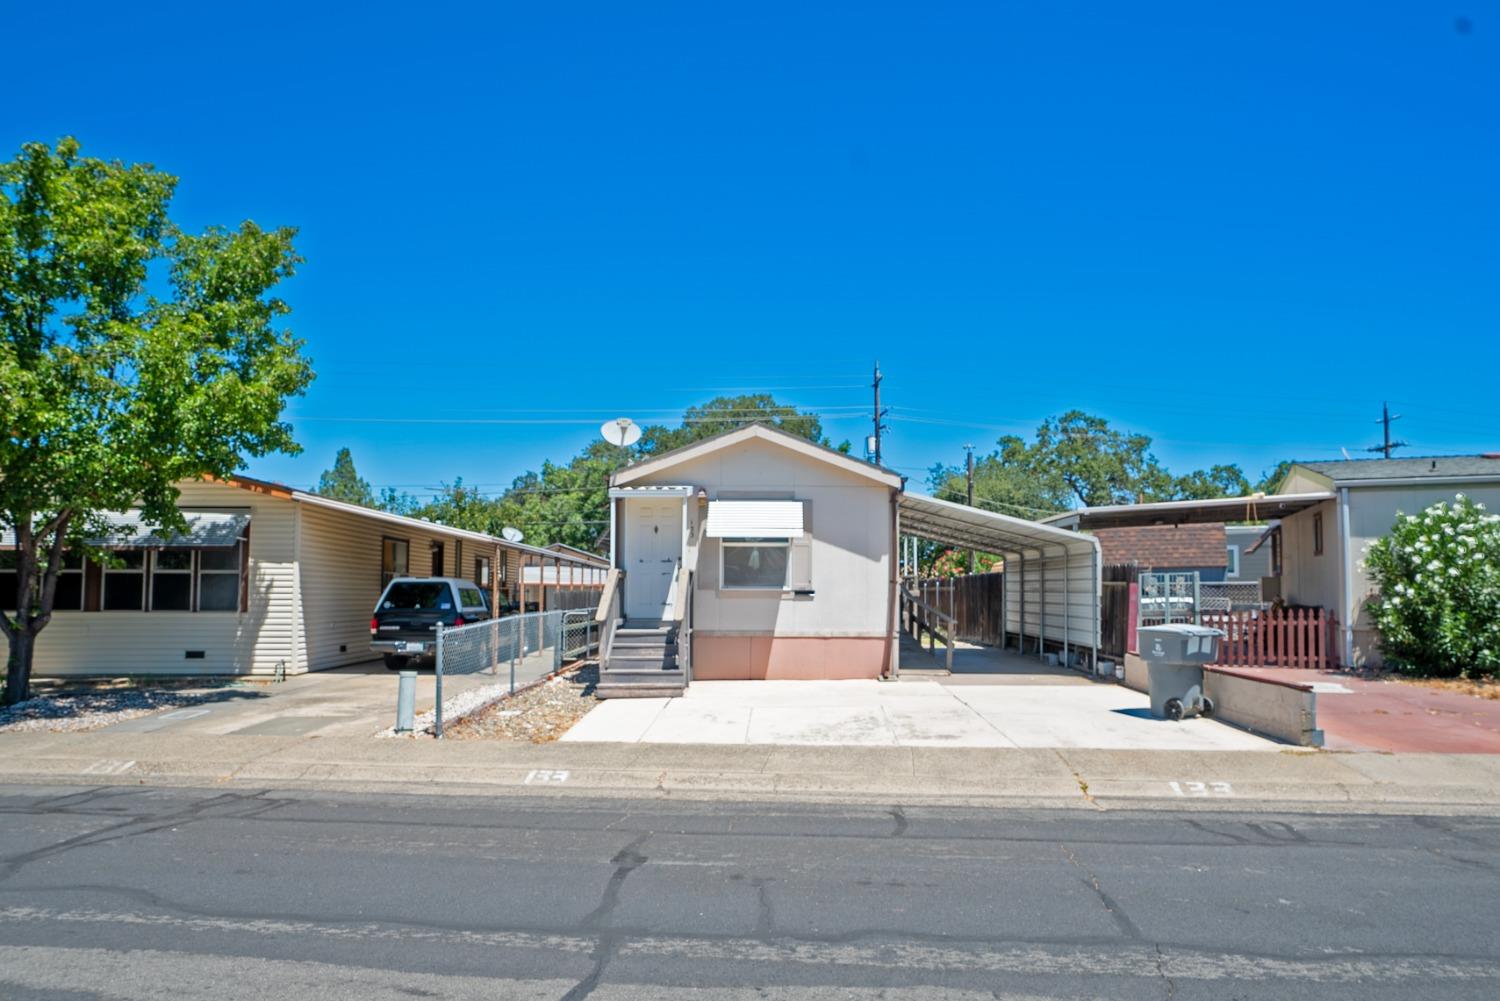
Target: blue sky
(1236, 228)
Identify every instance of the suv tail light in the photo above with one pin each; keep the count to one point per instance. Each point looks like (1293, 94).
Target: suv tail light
(374, 626)
(458, 620)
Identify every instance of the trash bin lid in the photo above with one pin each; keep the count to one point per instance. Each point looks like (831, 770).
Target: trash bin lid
(1182, 629)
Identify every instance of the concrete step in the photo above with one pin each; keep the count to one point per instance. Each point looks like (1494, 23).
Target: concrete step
(614, 668)
(608, 691)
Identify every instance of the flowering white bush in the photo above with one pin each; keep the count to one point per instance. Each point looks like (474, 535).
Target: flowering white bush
(1438, 574)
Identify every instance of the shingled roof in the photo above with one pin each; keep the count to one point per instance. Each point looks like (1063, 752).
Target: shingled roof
(1165, 547)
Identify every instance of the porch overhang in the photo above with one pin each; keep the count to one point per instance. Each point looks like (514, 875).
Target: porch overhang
(616, 493)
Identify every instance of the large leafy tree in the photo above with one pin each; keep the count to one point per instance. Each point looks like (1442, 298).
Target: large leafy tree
(1216, 481)
(133, 355)
(344, 483)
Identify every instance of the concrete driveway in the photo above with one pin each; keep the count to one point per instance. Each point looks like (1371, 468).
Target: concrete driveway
(906, 713)
(353, 701)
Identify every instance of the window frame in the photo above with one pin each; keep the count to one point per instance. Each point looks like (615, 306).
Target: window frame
(238, 573)
(108, 571)
(1317, 530)
(386, 576)
(154, 558)
(726, 544)
(483, 567)
(1232, 568)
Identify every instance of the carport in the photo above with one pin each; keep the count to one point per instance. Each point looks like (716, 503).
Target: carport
(1050, 595)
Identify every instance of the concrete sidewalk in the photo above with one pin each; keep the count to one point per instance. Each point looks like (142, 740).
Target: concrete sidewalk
(1083, 779)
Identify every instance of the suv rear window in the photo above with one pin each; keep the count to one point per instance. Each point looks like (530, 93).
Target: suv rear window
(426, 596)
(471, 597)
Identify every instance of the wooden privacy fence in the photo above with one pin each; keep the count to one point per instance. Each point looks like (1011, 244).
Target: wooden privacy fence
(975, 602)
(1276, 637)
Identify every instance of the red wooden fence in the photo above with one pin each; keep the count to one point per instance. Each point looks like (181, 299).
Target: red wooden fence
(1278, 637)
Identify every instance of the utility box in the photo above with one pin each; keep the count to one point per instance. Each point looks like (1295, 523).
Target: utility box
(1174, 656)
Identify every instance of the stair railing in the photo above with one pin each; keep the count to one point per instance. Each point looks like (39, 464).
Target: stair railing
(608, 615)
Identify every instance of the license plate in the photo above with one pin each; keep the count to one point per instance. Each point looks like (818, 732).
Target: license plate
(410, 647)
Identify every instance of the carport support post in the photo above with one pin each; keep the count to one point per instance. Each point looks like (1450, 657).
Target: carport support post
(1067, 602)
(1041, 635)
(1021, 618)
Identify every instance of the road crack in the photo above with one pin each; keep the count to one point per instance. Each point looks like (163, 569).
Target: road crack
(1116, 912)
(626, 861)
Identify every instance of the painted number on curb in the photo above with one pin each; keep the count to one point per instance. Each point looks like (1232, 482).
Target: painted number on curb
(1202, 788)
(538, 776)
(108, 766)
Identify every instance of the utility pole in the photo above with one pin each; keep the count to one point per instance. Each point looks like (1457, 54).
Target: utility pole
(1385, 419)
(879, 417)
(969, 474)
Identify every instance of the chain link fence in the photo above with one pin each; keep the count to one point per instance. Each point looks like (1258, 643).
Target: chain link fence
(515, 651)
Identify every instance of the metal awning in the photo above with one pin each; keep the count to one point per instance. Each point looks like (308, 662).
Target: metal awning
(754, 520)
(1258, 507)
(128, 530)
(1052, 584)
(967, 527)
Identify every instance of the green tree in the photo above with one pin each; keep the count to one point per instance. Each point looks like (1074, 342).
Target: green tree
(1271, 482)
(1004, 481)
(115, 386)
(725, 413)
(343, 483)
(1216, 481)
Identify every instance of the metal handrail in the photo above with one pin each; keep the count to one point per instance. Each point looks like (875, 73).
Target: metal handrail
(926, 620)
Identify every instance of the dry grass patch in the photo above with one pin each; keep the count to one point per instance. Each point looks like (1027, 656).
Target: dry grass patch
(538, 715)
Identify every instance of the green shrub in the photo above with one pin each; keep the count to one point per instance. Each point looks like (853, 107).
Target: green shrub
(1438, 604)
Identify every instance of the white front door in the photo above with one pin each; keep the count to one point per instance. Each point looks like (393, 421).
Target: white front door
(653, 545)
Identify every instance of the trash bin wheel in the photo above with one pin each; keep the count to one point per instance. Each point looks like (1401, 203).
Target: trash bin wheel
(1208, 706)
(1174, 709)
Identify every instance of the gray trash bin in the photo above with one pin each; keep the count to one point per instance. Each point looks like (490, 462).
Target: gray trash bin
(1174, 656)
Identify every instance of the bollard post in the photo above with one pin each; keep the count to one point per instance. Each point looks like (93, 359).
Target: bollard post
(437, 672)
(406, 701)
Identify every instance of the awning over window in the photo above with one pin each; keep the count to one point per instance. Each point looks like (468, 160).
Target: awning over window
(754, 520)
(206, 530)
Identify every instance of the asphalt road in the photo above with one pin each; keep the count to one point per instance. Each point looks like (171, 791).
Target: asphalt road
(134, 893)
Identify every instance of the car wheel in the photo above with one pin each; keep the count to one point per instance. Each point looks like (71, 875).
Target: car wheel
(395, 662)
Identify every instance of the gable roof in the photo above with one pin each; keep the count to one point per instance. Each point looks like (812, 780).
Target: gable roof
(1411, 468)
(753, 432)
(1165, 546)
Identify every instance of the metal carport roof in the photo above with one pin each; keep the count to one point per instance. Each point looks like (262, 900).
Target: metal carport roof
(1052, 574)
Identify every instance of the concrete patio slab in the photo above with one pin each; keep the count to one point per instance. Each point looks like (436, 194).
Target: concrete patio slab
(910, 714)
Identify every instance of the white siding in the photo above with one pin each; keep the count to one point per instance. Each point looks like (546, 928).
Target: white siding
(1054, 591)
(84, 643)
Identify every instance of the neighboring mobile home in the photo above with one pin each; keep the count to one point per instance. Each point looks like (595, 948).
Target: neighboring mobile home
(267, 578)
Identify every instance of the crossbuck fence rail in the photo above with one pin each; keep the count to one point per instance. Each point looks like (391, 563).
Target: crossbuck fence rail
(516, 650)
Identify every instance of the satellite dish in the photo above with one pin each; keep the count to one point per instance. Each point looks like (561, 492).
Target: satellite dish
(510, 534)
(621, 431)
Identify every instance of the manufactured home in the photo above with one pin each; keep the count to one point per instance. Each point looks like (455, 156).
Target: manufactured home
(268, 579)
(757, 554)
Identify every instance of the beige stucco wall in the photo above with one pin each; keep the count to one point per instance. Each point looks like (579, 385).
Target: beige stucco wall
(1307, 579)
(849, 537)
(92, 643)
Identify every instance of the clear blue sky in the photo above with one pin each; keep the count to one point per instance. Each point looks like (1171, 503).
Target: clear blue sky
(1234, 227)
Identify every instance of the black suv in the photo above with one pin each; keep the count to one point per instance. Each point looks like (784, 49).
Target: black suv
(406, 617)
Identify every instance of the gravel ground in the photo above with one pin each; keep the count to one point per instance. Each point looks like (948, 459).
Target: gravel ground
(91, 710)
(538, 715)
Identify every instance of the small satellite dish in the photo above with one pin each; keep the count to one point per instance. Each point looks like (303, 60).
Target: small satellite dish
(621, 431)
(510, 534)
